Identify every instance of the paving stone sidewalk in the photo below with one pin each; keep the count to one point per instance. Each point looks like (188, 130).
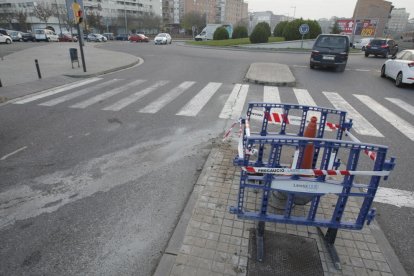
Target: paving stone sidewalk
(216, 242)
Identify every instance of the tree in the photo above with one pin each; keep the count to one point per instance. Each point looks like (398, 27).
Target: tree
(335, 28)
(7, 16)
(266, 26)
(278, 31)
(291, 30)
(94, 20)
(259, 34)
(21, 18)
(193, 18)
(240, 32)
(43, 11)
(220, 34)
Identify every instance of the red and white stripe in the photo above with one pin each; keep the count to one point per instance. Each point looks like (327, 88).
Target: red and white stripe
(311, 172)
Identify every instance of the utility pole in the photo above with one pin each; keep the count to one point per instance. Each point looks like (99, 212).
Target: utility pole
(126, 20)
(294, 12)
(58, 16)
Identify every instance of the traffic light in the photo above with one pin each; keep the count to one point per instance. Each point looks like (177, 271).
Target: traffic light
(77, 13)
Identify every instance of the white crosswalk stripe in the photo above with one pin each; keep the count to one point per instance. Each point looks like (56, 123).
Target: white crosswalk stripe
(55, 91)
(403, 126)
(304, 98)
(134, 97)
(162, 101)
(271, 94)
(78, 93)
(235, 103)
(107, 94)
(360, 124)
(200, 100)
(402, 104)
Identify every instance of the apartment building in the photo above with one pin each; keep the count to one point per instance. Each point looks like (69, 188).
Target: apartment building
(399, 21)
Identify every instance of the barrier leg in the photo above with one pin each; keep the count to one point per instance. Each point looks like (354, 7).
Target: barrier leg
(329, 239)
(259, 240)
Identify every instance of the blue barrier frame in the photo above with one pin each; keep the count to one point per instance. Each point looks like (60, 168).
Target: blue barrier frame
(279, 140)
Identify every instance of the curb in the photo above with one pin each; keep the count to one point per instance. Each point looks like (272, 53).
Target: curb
(137, 62)
(167, 260)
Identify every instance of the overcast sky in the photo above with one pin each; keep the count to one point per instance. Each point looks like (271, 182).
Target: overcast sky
(315, 9)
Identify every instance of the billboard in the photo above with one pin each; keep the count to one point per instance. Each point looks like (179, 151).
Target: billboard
(362, 27)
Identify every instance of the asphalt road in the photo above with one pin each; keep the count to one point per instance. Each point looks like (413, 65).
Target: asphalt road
(99, 191)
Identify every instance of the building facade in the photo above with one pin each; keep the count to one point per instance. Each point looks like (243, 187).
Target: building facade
(215, 11)
(398, 21)
(372, 12)
(110, 11)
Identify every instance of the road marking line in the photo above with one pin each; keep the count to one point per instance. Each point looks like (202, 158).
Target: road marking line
(55, 90)
(12, 153)
(200, 100)
(360, 124)
(400, 103)
(304, 98)
(271, 94)
(362, 70)
(106, 95)
(234, 105)
(395, 197)
(162, 101)
(134, 97)
(403, 126)
(77, 93)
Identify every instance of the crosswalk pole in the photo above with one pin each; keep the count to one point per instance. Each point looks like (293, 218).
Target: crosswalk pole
(81, 48)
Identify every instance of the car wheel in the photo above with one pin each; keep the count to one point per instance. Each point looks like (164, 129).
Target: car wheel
(311, 66)
(383, 71)
(366, 54)
(363, 48)
(398, 80)
(340, 68)
(8, 41)
(48, 39)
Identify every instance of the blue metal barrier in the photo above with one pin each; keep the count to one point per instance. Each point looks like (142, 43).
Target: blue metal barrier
(266, 173)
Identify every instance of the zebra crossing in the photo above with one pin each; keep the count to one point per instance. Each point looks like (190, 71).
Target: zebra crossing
(105, 90)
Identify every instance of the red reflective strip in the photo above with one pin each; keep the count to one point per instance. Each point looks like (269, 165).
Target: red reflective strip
(345, 173)
(331, 172)
(318, 172)
(276, 117)
(330, 125)
(250, 169)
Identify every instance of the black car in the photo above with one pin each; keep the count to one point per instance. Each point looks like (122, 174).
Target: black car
(381, 47)
(330, 50)
(28, 37)
(122, 37)
(4, 32)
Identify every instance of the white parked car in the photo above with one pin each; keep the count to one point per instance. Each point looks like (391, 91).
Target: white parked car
(96, 38)
(163, 38)
(400, 68)
(46, 35)
(361, 43)
(5, 39)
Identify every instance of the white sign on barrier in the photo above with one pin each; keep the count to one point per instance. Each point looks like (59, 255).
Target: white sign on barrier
(301, 186)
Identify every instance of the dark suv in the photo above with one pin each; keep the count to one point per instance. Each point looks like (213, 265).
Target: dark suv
(330, 50)
(381, 47)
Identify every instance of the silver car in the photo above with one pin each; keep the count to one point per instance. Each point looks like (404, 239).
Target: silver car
(163, 38)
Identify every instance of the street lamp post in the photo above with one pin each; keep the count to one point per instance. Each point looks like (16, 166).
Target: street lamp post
(126, 20)
(294, 12)
(58, 16)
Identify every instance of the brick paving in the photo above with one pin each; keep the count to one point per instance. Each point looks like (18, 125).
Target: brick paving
(216, 242)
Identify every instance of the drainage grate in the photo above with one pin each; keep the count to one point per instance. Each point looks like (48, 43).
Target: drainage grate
(284, 254)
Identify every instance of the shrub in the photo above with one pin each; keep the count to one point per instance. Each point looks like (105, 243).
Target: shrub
(278, 31)
(267, 28)
(221, 34)
(240, 32)
(259, 35)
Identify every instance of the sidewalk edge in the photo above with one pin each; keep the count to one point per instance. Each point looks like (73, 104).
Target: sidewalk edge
(138, 62)
(389, 254)
(167, 260)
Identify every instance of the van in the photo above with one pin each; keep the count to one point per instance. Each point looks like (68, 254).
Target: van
(45, 35)
(330, 50)
(361, 43)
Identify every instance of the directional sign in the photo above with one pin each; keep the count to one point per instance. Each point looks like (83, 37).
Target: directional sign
(304, 29)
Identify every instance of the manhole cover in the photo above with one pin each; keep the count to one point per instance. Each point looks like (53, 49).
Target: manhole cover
(284, 254)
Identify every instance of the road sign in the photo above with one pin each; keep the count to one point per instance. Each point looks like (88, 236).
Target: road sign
(304, 29)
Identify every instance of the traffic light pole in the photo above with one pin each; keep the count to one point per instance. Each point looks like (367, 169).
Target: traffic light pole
(81, 47)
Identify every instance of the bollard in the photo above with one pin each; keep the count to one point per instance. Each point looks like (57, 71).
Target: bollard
(38, 69)
(1, 85)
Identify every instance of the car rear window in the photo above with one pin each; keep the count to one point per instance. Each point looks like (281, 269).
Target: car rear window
(331, 42)
(378, 42)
